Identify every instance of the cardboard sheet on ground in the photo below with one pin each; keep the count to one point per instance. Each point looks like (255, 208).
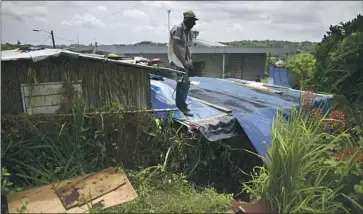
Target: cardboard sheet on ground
(105, 192)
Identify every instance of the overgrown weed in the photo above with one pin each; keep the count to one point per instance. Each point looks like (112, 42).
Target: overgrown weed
(41, 149)
(302, 172)
(160, 191)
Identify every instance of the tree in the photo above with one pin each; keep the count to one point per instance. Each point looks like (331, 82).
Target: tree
(340, 60)
(303, 67)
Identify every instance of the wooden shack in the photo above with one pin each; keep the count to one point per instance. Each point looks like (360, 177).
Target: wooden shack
(34, 81)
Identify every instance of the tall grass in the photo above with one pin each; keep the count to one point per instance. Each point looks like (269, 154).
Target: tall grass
(296, 178)
(39, 150)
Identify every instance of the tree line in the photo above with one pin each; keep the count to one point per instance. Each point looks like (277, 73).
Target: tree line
(336, 63)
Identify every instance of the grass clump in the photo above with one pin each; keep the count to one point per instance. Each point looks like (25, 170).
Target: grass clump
(160, 191)
(299, 175)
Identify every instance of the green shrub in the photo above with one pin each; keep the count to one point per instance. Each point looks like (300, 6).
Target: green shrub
(340, 60)
(303, 68)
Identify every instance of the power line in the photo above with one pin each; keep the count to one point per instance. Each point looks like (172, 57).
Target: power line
(69, 40)
(41, 43)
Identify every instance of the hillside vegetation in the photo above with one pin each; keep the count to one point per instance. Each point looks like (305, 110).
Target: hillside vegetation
(305, 46)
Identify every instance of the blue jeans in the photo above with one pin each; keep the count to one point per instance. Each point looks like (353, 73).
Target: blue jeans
(182, 90)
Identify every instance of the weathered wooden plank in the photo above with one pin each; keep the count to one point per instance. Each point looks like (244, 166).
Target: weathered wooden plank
(48, 88)
(80, 192)
(52, 71)
(44, 101)
(44, 109)
(45, 98)
(44, 199)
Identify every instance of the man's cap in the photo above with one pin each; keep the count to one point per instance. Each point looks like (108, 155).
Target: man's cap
(190, 14)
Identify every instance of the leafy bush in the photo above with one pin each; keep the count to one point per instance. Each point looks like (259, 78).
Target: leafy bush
(303, 68)
(340, 60)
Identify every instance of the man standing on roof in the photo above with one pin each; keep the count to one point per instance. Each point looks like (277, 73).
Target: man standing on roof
(180, 57)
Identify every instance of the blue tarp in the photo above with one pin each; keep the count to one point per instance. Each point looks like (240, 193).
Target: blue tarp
(280, 76)
(253, 109)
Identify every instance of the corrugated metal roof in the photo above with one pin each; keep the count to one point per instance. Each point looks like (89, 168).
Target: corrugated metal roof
(194, 50)
(38, 55)
(209, 44)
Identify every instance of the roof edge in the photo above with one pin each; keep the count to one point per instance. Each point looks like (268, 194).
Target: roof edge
(195, 50)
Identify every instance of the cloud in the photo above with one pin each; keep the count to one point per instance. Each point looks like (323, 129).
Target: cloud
(20, 12)
(143, 28)
(134, 13)
(85, 20)
(117, 22)
(40, 19)
(72, 4)
(102, 8)
(99, 9)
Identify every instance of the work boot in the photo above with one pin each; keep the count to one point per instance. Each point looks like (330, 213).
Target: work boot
(186, 112)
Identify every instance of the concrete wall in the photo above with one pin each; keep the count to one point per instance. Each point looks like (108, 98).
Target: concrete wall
(245, 66)
(254, 64)
(213, 64)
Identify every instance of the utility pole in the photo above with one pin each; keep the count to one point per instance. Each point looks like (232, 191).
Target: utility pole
(51, 33)
(77, 39)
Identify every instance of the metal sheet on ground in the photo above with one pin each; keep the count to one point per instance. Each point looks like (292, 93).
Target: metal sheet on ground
(43, 199)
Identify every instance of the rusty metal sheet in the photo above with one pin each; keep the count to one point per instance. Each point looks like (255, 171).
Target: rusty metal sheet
(45, 200)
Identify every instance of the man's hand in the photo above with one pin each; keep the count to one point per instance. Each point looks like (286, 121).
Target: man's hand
(188, 65)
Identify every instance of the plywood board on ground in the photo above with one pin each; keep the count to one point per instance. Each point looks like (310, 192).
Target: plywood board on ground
(80, 192)
(45, 200)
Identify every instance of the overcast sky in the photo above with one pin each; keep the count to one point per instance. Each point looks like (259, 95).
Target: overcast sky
(122, 22)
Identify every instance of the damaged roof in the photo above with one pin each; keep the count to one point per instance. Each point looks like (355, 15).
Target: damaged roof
(218, 105)
(42, 54)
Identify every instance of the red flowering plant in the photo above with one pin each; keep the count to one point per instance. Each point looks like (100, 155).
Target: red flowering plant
(336, 121)
(307, 100)
(317, 112)
(349, 152)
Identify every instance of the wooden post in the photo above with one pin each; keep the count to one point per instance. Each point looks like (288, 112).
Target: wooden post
(223, 64)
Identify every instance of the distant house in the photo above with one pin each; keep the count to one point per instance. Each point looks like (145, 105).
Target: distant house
(34, 81)
(209, 59)
(280, 63)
